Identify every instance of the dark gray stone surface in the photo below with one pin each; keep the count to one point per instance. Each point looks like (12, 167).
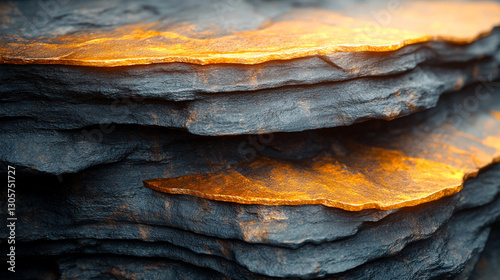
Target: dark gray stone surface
(104, 208)
(282, 108)
(125, 267)
(89, 227)
(443, 256)
(227, 99)
(488, 263)
(104, 130)
(61, 151)
(186, 82)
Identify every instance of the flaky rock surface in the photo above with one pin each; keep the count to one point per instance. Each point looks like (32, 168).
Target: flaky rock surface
(104, 209)
(321, 89)
(275, 32)
(84, 124)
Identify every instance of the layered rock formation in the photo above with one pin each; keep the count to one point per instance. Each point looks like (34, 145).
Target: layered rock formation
(324, 87)
(154, 164)
(105, 210)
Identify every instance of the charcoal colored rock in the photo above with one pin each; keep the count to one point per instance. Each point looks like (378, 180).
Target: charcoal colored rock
(115, 235)
(83, 139)
(321, 91)
(225, 151)
(126, 267)
(100, 215)
(185, 82)
(307, 106)
(488, 263)
(237, 240)
(69, 151)
(444, 256)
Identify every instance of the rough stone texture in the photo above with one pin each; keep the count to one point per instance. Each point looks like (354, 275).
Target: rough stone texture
(324, 104)
(250, 32)
(449, 250)
(104, 209)
(97, 267)
(312, 92)
(469, 144)
(145, 227)
(82, 139)
(488, 263)
(366, 170)
(71, 151)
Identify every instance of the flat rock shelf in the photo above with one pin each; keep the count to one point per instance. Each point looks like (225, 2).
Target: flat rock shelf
(251, 139)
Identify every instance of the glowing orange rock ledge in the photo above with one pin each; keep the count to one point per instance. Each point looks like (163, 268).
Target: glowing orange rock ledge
(362, 177)
(298, 34)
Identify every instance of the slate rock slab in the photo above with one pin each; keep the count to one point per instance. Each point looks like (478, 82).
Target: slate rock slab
(110, 229)
(332, 88)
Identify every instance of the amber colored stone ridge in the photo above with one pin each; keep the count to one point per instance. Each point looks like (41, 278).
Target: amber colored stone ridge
(383, 171)
(299, 33)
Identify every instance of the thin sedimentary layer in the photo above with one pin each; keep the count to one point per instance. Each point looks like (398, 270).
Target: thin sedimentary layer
(468, 135)
(384, 170)
(281, 109)
(435, 226)
(184, 81)
(282, 32)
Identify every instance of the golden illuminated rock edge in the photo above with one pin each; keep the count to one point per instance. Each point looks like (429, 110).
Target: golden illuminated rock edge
(364, 178)
(304, 33)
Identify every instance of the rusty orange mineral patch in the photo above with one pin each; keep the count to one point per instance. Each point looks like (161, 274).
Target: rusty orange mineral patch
(412, 168)
(299, 33)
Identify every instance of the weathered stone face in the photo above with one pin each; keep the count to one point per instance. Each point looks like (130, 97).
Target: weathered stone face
(275, 139)
(337, 167)
(322, 89)
(106, 210)
(256, 32)
(365, 170)
(130, 220)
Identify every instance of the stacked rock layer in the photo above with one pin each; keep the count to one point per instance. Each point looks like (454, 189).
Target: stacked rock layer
(372, 156)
